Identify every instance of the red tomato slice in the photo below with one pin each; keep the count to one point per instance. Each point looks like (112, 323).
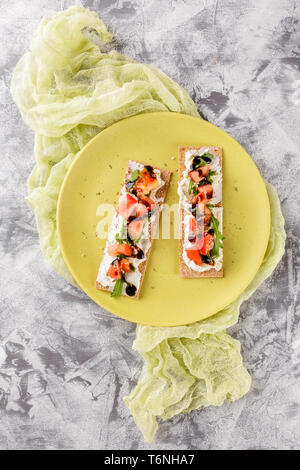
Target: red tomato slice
(192, 225)
(204, 170)
(195, 176)
(207, 245)
(194, 255)
(207, 215)
(135, 229)
(205, 192)
(146, 182)
(141, 210)
(125, 265)
(199, 174)
(122, 249)
(114, 270)
(127, 205)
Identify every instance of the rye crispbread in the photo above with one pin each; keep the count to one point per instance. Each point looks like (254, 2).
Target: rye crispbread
(184, 270)
(161, 194)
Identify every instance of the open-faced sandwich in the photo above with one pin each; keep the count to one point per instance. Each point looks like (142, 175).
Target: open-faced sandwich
(133, 227)
(200, 199)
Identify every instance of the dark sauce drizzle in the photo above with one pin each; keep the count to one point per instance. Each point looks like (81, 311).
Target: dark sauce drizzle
(150, 170)
(197, 160)
(207, 260)
(130, 290)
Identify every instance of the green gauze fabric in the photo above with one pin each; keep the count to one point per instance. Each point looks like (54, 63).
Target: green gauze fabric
(69, 88)
(193, 366)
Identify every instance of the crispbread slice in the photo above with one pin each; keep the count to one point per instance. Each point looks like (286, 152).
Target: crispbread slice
(161, 194)
(184, 270)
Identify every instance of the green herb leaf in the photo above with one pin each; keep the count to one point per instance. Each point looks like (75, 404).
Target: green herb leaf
(118, 288)
(200, 164)
(207, 155)
(210, 205)
(135, 175)
(218, 237)
(122, 236)
(211, 173)
(192, 188)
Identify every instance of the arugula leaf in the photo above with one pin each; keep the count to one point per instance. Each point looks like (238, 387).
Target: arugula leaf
(119, 239)
(135, 175)
(218, 237)
(192, 188)
(118, 288)
(211, 173)
(203, 160)
(122, 236)
(207, 155)
(200, 164)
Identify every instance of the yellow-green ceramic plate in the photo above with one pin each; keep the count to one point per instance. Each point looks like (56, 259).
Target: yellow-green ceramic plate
(96, 177)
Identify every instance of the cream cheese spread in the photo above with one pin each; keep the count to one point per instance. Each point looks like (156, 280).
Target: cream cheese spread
(144, 243)
(185, 204)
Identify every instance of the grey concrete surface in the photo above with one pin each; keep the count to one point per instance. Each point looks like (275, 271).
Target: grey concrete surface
(65, 363)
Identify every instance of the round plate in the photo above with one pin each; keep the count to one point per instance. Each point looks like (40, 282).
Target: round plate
(95, 178)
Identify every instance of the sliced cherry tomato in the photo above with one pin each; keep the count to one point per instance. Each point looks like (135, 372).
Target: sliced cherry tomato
(146, 182)
(194, 255)
(135, 229)
(199, 174)
(125, 265)
(141, 210)
(192, 225)
(205, 192)
(127, 205)
(195, 176)
(204, 170)
(207, 245)
(114, 270)
(207, 215)
(122, 249)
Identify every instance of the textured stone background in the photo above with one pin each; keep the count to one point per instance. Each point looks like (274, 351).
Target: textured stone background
(65, 364)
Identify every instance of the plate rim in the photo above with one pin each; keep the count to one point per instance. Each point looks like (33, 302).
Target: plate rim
(78, 156)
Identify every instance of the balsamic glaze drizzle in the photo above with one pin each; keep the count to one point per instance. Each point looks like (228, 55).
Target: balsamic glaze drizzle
(130, 290)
